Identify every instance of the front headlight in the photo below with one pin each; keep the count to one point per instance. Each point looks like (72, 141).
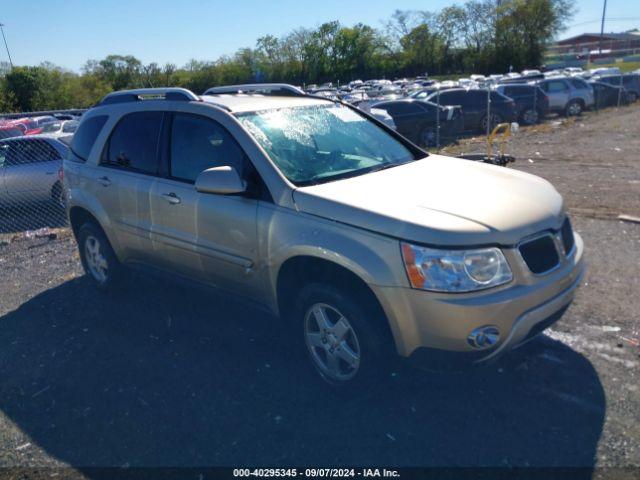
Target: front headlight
(455, 270)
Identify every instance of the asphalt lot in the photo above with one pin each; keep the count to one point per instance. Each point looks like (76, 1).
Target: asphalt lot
(162, 375)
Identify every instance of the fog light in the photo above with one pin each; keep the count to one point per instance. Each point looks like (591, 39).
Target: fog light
(484, 337)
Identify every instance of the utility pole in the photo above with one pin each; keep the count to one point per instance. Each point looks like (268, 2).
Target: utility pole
(604, 11)
(5, 45)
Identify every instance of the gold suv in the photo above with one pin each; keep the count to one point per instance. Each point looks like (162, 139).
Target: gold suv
(325, 216)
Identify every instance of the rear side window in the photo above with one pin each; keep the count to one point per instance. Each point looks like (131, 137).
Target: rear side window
(517, 91)
(555, 86)
(497, 97)
(400, 108)
(25, 152)
(579, 84)
(134, 143)
(10, 132)
(199, 143)
(451, 98)
(86, 135)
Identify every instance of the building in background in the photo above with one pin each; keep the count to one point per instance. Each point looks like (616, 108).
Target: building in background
(592, 46)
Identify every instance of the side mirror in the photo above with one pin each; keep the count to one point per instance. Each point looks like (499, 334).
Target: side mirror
(221, 180)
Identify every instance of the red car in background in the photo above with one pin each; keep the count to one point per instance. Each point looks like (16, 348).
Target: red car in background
(27, 125)
(8, 130)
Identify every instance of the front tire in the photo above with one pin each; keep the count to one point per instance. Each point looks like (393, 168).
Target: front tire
(494, 119)
(530, 116)
(98, 258)
(342, 337)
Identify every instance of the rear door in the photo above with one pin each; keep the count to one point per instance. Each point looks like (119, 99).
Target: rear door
(208, 237)
(452, 98)
(473, 102)
(408, 117)
(558, 93)
(123, 181)
(31, 170)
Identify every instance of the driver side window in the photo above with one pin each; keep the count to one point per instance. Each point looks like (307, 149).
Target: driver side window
(199, 143)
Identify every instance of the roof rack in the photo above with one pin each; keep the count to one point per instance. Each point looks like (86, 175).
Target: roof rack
(173, 94)
(278, 89)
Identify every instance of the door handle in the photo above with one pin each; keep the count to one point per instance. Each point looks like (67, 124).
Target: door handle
(50, 173)
(172, 198)
(104, 181)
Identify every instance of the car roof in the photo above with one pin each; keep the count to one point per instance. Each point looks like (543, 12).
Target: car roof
(239, 103)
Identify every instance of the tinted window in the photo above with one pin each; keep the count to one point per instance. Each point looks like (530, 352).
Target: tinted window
(579, 84)
(24, 152)
(555, 86)
(452, 98)
(400, 108)
(497, 97)
(10, 132)
(198, 143)
(517, 91)
(86, 135)
(134, 142)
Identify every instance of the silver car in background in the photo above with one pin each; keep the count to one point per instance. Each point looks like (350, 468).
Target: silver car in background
(569, 96)
(30, 170)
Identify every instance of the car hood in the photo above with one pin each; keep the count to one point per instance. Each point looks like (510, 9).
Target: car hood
(440, 201)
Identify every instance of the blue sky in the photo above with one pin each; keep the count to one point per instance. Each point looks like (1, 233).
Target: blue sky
(68, 32)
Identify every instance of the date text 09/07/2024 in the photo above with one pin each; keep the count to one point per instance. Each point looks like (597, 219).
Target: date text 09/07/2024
(315, 472)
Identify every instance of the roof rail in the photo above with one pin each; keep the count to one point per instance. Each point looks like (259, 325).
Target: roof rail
(278, 89)
(174, 94)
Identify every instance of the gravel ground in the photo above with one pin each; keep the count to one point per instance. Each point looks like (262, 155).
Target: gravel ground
(164, 375)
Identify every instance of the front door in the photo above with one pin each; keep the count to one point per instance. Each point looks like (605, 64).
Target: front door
(207, 237)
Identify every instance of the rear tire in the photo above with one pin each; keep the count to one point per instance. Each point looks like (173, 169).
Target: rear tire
(574, 108)
(632, 97)
(428, 136)
(98, 258)
(341, 336)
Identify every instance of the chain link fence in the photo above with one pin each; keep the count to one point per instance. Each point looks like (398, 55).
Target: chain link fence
(32, 147)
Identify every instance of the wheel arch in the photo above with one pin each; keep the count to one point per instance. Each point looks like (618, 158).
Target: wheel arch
(79, 215)
(300, 270)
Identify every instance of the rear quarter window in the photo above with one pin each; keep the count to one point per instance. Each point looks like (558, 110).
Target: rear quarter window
(579, 84)
(86, 135)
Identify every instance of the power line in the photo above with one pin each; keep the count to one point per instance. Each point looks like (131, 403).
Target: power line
(618, 19)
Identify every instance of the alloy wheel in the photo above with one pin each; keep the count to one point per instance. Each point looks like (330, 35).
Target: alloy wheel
(332, 343)
(529, 117)
(96, 261)
(574, 108)
(428, 137)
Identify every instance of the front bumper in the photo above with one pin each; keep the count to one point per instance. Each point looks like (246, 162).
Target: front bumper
(420, 319)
